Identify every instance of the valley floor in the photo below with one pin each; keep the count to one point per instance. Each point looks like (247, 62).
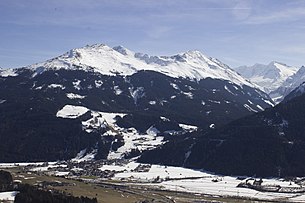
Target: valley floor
(122, 181)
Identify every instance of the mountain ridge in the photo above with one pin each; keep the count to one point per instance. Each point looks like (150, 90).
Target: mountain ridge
(190, 64)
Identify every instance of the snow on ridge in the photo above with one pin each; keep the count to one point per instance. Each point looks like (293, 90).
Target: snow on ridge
(118, 60)
(8, 72)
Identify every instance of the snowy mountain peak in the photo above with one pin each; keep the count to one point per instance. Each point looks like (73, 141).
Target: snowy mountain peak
(193, 54)
(268, 77)
(118, 60)
(289, 85)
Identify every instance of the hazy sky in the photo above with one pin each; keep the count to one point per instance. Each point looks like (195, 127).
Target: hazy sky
(236, 32)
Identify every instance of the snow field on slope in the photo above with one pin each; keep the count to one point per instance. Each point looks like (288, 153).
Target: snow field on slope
(132, 138)
(70, 111)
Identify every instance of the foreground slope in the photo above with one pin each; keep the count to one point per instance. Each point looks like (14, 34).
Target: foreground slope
(270, 143)
(109, 103)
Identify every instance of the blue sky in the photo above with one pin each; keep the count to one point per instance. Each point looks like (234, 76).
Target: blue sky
(236, 32)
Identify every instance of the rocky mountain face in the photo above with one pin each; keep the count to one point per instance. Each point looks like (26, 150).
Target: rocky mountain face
(269, 143)
(98, 102)
(269, 78)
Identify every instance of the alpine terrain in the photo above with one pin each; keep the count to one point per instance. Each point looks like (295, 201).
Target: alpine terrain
(289, 84)
(98, 102)
(269, 77)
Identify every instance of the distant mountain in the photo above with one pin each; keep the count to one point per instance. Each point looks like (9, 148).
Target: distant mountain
(289, 84)
(108, 103)
(268, 77)
(269, 143)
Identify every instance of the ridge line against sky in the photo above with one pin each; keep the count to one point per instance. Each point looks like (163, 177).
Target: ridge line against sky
(237, 32)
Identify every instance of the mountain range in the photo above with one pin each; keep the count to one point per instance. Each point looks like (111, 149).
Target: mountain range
(191, 110)
(117, 103)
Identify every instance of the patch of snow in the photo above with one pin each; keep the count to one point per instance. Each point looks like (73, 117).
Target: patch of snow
(188, 94)
(226, 88)
(75, 96)
(188, 127)
(117, 90)
(84, 156)
(61, 173)
(152, 131)
(175, 86)
(250, 102)
(152, 102)
(249, 108)
(260, 108)
(76, 84)
(8, 196)
(39, 87)
(70, 111)
(164, 118)
(213, 101)
(98, 83)
(8, 73)
(133, 140)
(128, 167)
(110, 117)
(12, 165)
(54, 86)
(268, 102)
(137, 93)
(163, 172)
(212, 126)
(96, 122)
(46, 168)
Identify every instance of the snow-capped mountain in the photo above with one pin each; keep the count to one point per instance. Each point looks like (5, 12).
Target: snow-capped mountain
(267, 77)
(116, 103)
(289, 84)
(121, 61)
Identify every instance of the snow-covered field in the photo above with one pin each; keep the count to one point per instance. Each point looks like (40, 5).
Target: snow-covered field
(199, 182)
(8, 196)
(177, 179)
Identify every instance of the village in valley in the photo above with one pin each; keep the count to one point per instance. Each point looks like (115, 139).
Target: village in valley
(135, 180)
